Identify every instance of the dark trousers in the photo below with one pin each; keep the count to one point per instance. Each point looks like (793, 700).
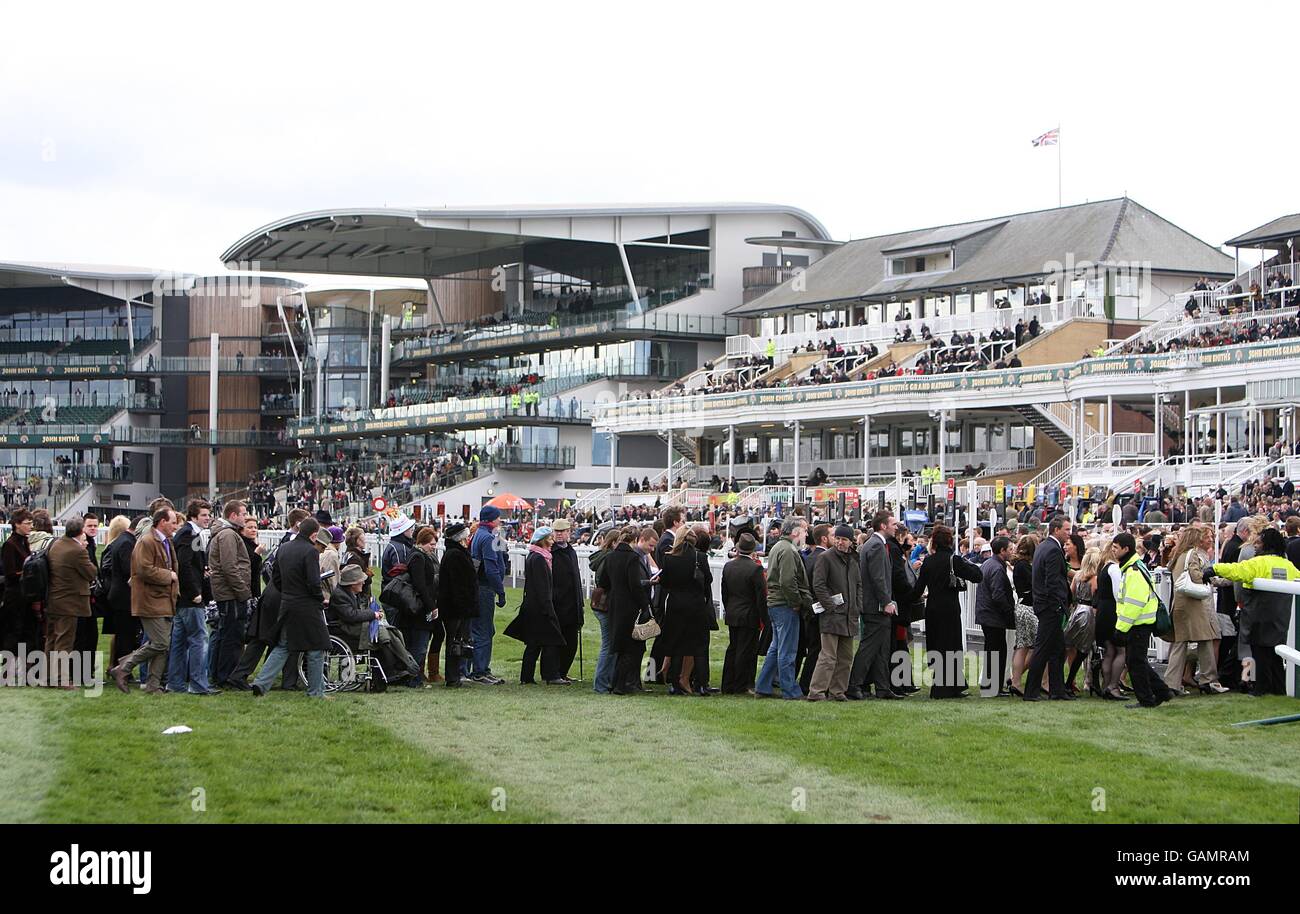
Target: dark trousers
(126, 637)
(528, 669)
(627, 669)
(1270, 674)
(87, 638)
(458, 646)
(1049, 654)
(740, 664)
(900, 645)
(562, 654)
(229, 639)
(871, 662)
(995, 656)
(1149, 688)
(810, 648)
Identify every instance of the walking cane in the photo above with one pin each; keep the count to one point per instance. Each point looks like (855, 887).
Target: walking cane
(582, 677)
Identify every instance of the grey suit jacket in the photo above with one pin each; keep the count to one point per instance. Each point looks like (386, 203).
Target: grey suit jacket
(877, 577)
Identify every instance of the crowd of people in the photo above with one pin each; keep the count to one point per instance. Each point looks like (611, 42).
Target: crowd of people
(338, 486)
(1227, 334)
(197, 603)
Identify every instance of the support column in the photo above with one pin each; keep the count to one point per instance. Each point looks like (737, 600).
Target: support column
(213, 350)
(613, 469)
(866, 450)
(1110, 432)
(1218, 422)
(731, 453)
(434, 304)
(627, 273)
(943, 421)
(1187, 431)
(794, 499)
(1159, 420)
(670, 460)
(385, 357)
(370, 349)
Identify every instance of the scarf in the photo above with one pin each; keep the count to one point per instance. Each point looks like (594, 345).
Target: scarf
(544, 553)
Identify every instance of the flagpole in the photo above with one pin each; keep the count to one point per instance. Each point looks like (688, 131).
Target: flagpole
(1058, 165)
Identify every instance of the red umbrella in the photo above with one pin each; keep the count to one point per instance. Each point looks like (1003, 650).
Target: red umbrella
(508, 502)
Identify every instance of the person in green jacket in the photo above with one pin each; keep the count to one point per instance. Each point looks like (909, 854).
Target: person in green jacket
(788, 593)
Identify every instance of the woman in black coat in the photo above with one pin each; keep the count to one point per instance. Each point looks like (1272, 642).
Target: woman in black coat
(125, 627)
(625, 581)
(687, 606)
(537, 625)
(943, 612)
(457, 600)
(423, 632)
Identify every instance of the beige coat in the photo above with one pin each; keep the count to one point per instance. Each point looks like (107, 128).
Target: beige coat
(1192, 617)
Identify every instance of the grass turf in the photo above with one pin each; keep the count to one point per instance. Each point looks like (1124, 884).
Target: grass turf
(544, 753)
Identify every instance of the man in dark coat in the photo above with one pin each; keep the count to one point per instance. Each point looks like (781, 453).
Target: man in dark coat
(879, 613)
(301, 624)
(1051, 589)
(995, 613)
(810, 639)
(566, 591)
(744, 608)
(1229, 661)
(457, 601)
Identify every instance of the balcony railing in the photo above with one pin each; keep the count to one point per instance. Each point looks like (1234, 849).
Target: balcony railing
(553, 382)
(570, 327)
(768, 276)
(536, 457)
(58, 335)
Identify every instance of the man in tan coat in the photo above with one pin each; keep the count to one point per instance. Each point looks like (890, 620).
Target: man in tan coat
(71, 572)
(154, 589)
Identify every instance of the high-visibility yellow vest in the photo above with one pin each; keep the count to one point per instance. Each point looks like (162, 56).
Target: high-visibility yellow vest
(771, 349)
(1271, 567)
(1136, 602)
(515, 401)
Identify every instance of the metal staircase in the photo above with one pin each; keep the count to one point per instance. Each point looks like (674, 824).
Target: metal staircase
(1045, 421)
(683, 446)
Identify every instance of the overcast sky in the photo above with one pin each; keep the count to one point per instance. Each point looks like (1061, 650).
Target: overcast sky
(159, 135)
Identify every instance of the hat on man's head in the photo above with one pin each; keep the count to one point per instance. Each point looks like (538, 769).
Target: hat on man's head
(561, 524)
(351, 574)
(746, 544)
(322, 538)
(489, 513)
(400, 524)
(323, 518)
(845, 531)
(986, 549)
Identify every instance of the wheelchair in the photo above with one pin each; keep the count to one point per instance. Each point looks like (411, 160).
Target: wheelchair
(347, 670)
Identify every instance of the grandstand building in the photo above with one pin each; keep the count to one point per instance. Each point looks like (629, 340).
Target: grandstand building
(575, 350)
(505, 326)
(106, 373)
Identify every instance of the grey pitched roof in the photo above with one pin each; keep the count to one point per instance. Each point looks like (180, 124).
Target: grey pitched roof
(991, 251)
(1279, 229)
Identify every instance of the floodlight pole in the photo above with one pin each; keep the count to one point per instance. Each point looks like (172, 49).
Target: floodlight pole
(213, 348)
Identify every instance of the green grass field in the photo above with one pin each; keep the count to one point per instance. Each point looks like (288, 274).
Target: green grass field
(515, 753)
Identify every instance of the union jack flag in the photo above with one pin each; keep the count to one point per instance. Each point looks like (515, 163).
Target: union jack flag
(1050, 138)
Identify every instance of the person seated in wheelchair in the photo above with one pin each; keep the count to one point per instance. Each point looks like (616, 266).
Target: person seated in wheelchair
(350, 615)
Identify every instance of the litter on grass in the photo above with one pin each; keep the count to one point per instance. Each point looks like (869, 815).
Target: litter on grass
(170, 731)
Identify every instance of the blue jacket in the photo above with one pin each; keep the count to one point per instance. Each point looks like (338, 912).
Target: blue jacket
(491, 564)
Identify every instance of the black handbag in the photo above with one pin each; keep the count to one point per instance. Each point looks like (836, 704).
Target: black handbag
(399, 595)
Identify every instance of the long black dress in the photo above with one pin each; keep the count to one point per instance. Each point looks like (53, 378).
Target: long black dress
(687, 606)
(943, 619)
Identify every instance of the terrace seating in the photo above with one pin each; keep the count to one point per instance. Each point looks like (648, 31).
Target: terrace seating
(95, 347)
